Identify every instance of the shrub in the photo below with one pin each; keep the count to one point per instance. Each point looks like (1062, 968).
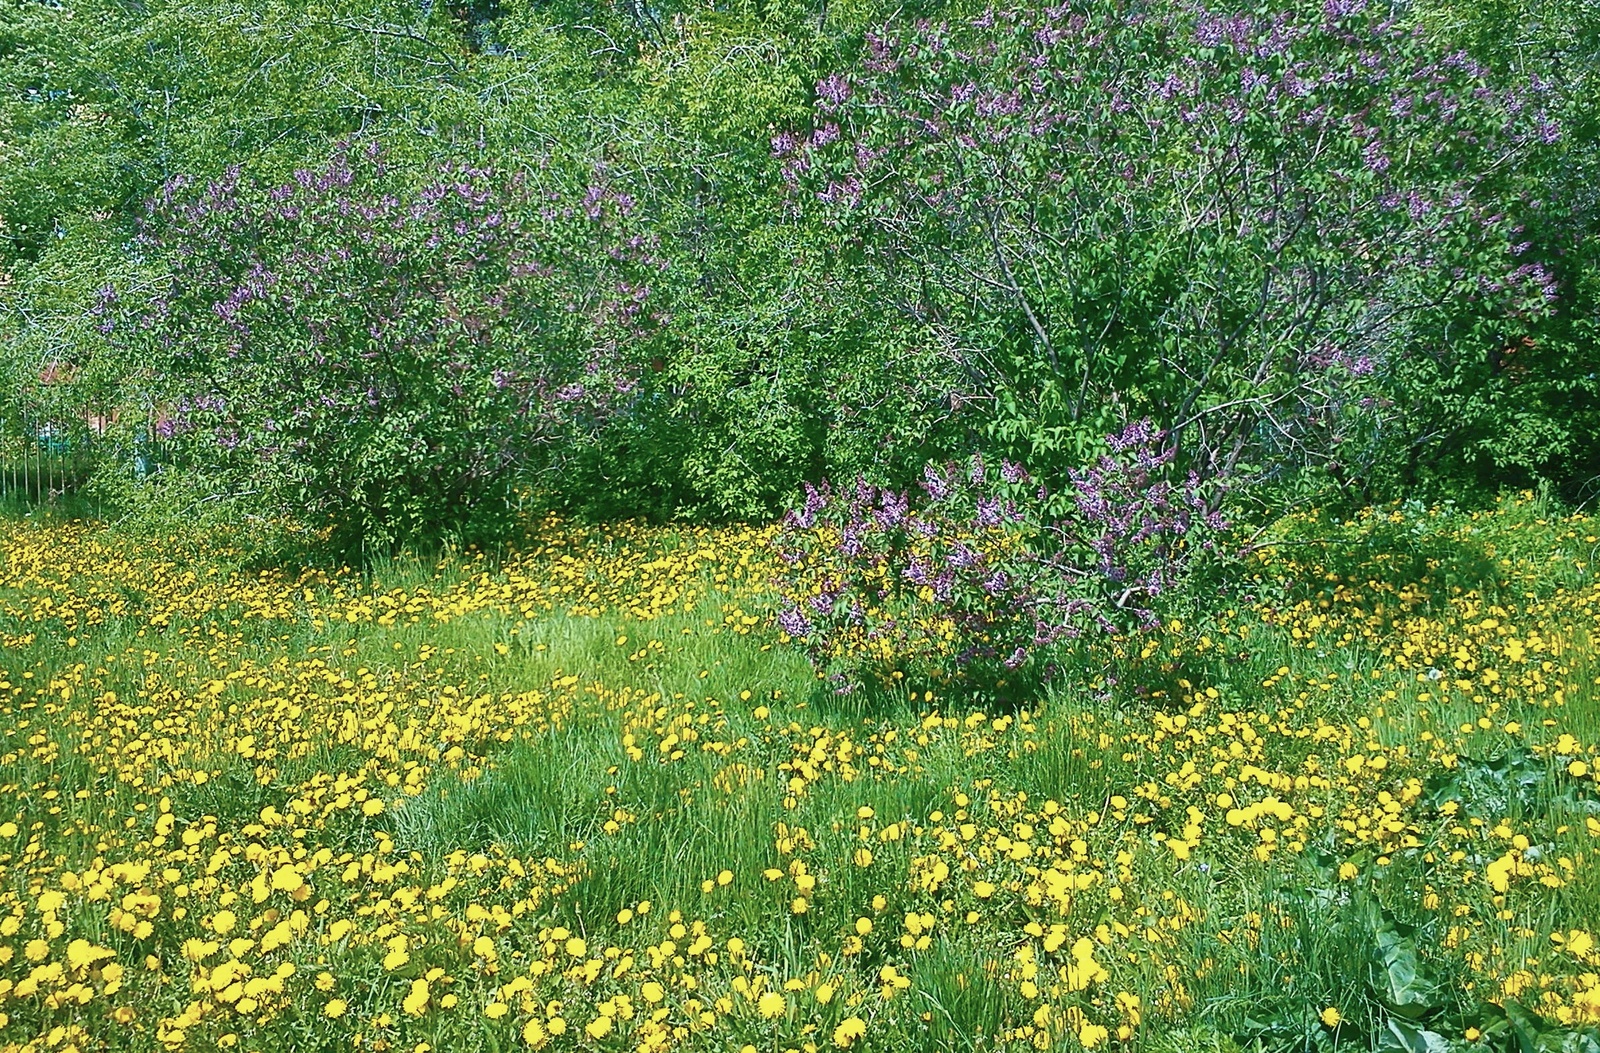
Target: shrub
(1266, 230)
(977, 582)
(388, 358)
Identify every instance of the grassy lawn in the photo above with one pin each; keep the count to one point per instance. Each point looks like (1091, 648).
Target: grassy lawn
(585, 796)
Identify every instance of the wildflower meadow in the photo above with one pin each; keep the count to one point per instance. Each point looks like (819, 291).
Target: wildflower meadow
(720, 526)
(590, 797)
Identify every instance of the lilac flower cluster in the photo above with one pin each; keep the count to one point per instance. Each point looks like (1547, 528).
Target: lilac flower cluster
(973, 581)
(1135, 529)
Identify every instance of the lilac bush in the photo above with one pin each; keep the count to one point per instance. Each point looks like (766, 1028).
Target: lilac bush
(387, 354)
(1254, 225)
(975, 579)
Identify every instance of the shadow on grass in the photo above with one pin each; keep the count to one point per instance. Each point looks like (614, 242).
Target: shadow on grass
(1426, 559)
(536, 800)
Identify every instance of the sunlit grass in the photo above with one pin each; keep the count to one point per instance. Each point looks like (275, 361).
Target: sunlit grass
(586, 797)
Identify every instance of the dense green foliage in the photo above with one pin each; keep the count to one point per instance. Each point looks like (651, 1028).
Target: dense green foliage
(1369, 283)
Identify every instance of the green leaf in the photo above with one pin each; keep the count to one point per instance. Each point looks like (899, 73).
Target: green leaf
(1402, 1036)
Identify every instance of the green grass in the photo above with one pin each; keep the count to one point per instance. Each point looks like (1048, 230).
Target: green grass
(1226, 951)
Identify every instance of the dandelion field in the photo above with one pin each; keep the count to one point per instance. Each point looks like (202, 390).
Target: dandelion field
(587, 796)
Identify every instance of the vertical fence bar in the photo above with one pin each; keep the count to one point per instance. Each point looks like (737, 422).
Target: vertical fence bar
(44, 457)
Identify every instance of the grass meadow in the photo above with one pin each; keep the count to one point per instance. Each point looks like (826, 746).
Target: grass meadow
(583, 795)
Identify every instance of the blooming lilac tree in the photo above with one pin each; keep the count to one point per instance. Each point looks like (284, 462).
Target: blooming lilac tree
(1248, 226)
(388, 357)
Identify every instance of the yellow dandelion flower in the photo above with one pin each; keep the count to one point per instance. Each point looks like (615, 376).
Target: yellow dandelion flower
(81, 954)
(848, 1031)
(287, 878)
(416, 1001)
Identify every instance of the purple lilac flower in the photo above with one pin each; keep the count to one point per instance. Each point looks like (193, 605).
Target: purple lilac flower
(891, 511)
(794, 622)
(832, 91)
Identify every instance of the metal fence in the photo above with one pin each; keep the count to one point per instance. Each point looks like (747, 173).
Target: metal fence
(42, 458)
